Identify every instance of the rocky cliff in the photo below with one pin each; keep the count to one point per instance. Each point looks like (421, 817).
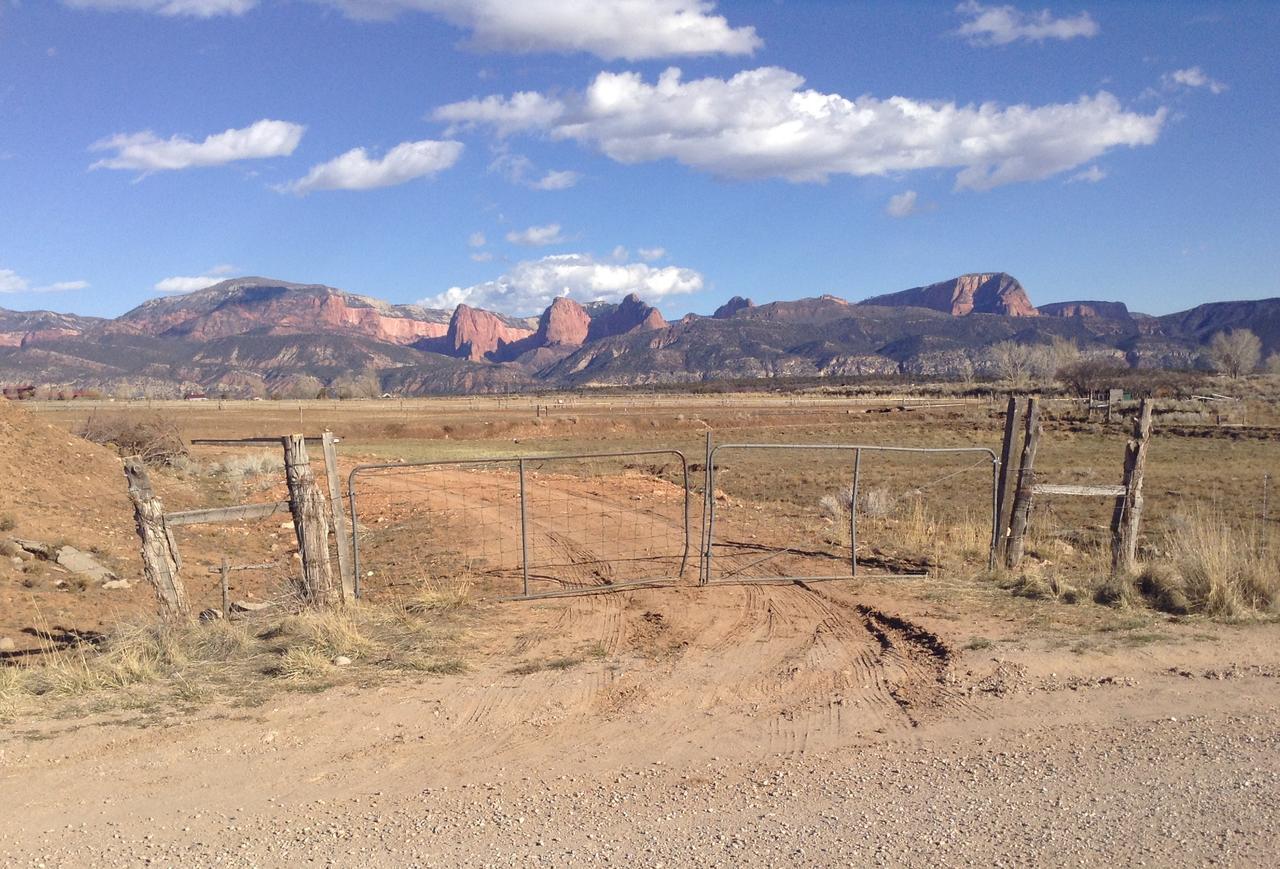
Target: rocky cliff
(982, 293)
(266, 306)
(476, 334)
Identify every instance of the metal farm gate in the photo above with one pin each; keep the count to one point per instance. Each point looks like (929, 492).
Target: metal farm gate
(524, 526)
(537, 526)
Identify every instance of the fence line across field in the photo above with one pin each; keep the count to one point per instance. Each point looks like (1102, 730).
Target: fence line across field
(709, 502)
(538, 544)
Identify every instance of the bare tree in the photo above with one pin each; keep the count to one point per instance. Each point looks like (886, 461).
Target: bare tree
(1273, 363)
(1013, 361)
(1235, 352)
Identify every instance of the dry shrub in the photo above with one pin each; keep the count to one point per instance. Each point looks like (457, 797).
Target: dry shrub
(331, 632)
(877, 503)
(1213, 568)
(155, 439)
(1116, 591)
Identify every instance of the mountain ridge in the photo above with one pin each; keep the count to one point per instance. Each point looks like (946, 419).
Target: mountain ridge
(253, 336)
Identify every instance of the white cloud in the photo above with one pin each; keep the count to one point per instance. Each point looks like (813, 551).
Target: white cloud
(609, 29)
(173, 8)
(620, 254)
(532, 285)
(561, 179)
(1001, 25)
(146, 153)
(182, 284)
(1092, 175)
(1192, 77)
(903, 204)
(649, 254)
(355, 170)
(760, 123)
(482, 256)
(516, 168)
(477, 239)
(12, 282)
(536, 236)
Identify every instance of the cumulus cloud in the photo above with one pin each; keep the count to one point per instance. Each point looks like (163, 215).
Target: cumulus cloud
(609, 29)
(356, 170)
(532, 285)
(145, 152)
(477, 239)
(761, 123)
(536, 236)
(1192, 77)
(12, 282)
(1001, 25)
(903, 204)
(172, 8)
(649, 254)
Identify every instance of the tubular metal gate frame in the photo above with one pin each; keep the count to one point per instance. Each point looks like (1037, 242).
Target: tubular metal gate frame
(709, 503)
(519, 462)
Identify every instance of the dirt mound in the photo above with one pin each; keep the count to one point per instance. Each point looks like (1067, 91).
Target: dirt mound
(61, 490)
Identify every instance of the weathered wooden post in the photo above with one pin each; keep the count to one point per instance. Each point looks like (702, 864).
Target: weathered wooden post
(1020, 516)
(1127, 518)
(160, 561)
(306, 503)
(1004, 486)
(340, 533)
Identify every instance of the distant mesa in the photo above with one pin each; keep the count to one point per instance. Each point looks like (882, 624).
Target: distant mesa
(1092, 309)
(981, 293)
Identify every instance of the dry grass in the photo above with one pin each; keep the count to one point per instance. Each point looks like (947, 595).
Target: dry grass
(182, 664)
(1211, 567)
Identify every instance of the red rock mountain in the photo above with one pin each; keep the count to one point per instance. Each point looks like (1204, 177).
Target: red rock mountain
(629, 315)
(983, 293)
(563, 324)
(19, 328)
(476, 334)
(264, 306)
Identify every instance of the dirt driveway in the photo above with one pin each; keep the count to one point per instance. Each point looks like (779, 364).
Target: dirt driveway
(833, 724)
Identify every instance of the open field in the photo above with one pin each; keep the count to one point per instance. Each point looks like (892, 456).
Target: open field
(928, 711)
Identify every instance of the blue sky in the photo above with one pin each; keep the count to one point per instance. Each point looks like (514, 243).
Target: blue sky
(516, 151)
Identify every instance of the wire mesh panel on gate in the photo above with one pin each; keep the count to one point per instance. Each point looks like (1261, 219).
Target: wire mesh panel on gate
(601, 520)
(516, 526)
(437, 524)
(801, 511)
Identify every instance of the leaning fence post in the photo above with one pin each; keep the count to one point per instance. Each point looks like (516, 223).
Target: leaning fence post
(1127, 518)
(339, 517)
(1004, 486)
(306, 503)
(160, 561)
(1021, 512)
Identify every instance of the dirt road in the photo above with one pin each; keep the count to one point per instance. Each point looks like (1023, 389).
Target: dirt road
(761, 724)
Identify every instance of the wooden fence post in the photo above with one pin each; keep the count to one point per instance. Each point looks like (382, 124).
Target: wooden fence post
(1021, 514)
(160, 561)
(1004, 486)
(1127, 518)
(306, 503)
(340, 532)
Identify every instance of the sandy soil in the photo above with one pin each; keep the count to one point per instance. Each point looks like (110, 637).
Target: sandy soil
(758, 724)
